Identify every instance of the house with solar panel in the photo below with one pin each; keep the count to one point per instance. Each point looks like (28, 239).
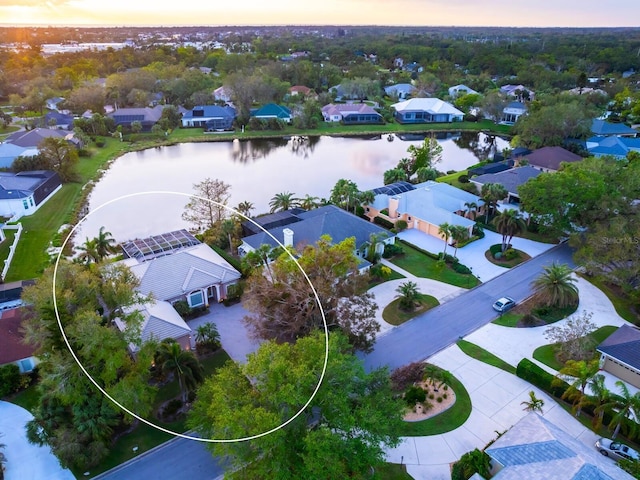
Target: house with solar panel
(147, 116)
(424, 206)
(172, 267)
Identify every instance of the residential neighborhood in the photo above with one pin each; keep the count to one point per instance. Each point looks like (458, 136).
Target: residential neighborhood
(319, 252)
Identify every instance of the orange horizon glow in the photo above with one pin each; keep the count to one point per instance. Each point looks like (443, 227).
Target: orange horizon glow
(545, 13)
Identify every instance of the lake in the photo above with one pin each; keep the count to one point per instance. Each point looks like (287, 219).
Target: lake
(256, 170)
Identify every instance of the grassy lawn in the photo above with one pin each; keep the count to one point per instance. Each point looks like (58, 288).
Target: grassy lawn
(509, 319)
(27, 398)
(392, 471)
(446, 421)
(4, 246)
(479, 353)
(623, 305)
(422, 265)
(547, 353)
(502, 262)
(377, 280)
(40, 228)
(394, 315)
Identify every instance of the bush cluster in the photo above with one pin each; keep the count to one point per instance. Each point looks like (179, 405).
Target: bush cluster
(415, 395)
(391, 250)
(383, 222)
(407, 375)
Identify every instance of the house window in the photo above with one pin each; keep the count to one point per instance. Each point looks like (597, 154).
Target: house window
(31, 201)
(26, 365)
(408, 219)
(195, 299)
(25, 204)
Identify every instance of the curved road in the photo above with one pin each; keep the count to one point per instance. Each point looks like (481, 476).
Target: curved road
(442, 326)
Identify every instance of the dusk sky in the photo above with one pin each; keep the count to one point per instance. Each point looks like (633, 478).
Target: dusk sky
(507, 13)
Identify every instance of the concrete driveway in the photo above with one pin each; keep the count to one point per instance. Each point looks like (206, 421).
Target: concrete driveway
(472, 254)
(496, 398)
(24, 460)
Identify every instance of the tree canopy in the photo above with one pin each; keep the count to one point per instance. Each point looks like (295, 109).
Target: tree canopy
(342, 433)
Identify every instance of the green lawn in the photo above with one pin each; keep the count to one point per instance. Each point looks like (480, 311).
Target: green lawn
(377, 281)
(479, 353)
(446, 421)
(27, 398)
(509, 319)
(623, 304)
(422, 265)
(394, 315)
(392, 471)
(42, 227)
(546, 353)
(4, 246)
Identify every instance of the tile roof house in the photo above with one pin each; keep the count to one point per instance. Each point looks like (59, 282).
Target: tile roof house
(613, 146)
(512, 112)
(519, 92)
(210, 117)
(459, 90)
(160, 321)
(510, 179)
(24, 192)
(313, 224)
(302, 91)
(424, 206)
(272, 110)
(603, 128)
(12, 349)
(222, 93)
(176, 266)
(535, 448)
(620, 354)
(351, 113)
(426, 110)
(548, 159)
(400, 90)
(147, 116)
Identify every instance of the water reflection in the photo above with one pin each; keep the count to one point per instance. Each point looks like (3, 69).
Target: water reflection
(256, 170)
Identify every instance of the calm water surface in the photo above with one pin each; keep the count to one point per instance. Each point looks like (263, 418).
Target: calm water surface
(256, 170)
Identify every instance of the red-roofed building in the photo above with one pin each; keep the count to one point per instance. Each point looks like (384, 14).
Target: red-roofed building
(302, 91)
(12, 349)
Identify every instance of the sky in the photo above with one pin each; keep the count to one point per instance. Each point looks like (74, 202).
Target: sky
(505, 13)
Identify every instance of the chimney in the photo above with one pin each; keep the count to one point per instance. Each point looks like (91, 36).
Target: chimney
(288, 237)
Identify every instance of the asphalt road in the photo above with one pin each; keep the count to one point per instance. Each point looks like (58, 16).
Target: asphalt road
(175, 460)
(427, 334)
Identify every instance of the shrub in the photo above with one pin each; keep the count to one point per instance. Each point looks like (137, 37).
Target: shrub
(401, 225)
(10, 379)
(182, 307)
(541, 311)
(414, 395)
(510, 254)
(477, 231)
(439, 399)
(431, 396)
(463, 178)
(407, 375)
(532, 373)
(391, 250)
(444, 395)
(100, 143)
(383, 222)
(471, 462)
(458, 267)
(497, 255)
(529, 320)
(380, 271)
(172, 407)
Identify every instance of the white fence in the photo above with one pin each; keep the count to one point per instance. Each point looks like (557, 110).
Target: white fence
(12, 248)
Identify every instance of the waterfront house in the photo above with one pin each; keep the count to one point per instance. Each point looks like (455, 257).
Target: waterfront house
(426, 110)
(351, 114)
(210, 117)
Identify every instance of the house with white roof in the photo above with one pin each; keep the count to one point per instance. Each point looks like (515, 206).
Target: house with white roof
(426, 110)
(519, 92)
(424, 206)
(401, 91)
(459, 90)
(512, 112)
(351, 113)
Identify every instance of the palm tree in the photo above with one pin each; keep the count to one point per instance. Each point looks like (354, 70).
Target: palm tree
(375, 239)
(600, 395)
(472, 207)
(366, 198)
(459, 234)
(534, 404)
(89, 252)
(556, 287)
(508, 224)
(621, 406)
(183, 364)
(207, 334)
(445, 231)
(578, 372)
(245, 208)
(282, 201)
(309, 202)
(408, 293)
(490, 194)
(105, 244)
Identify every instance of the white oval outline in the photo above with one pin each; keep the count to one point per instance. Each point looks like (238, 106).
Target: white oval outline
(151, 424)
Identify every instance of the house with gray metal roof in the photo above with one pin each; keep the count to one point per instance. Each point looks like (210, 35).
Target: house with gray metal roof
(612, 146)
(210, 117)
(601, 127)
(147, 116)
(620, 354)
(510, 179)
(426, 110)
(535, 448)
(401, 91)
(189, 271)
(424, 206)
(549, 159)
(313, 224)
(24, 192)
